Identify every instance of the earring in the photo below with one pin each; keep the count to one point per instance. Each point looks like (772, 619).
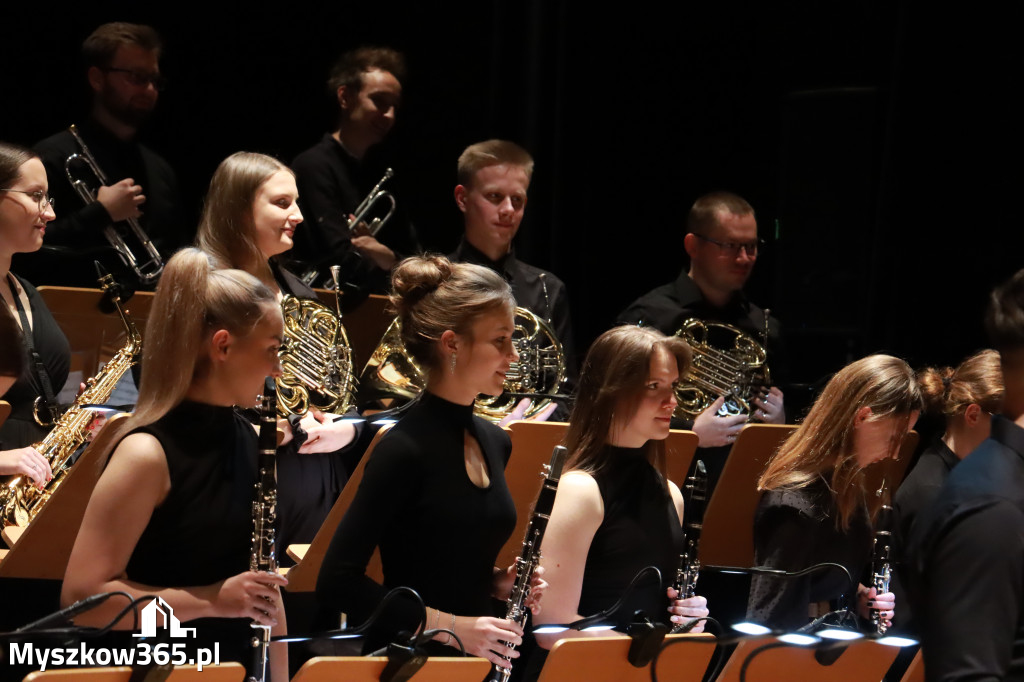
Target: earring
(452, 364)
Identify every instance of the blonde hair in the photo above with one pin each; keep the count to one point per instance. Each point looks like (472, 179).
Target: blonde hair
(612, 380)
(193, 300)
(978, 381)
(822, 447)
(432, 295)
(226, 229)
(492, 153)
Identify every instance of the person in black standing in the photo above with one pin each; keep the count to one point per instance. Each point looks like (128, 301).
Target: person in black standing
(966, 552)
(333, 176)
(123, 72)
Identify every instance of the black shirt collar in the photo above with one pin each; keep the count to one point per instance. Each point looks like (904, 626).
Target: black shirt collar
(467, 253)
(689, 295)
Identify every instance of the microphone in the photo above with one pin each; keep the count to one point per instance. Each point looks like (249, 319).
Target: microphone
(67, 613)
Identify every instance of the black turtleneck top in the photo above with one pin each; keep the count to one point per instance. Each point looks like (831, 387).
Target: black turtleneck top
(640, 528)
(438, 533)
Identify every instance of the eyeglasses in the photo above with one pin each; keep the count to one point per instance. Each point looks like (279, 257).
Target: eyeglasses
(141, 78)
(41, 197)
(733, 248)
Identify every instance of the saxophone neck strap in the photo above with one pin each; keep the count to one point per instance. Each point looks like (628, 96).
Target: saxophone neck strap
(47, 403)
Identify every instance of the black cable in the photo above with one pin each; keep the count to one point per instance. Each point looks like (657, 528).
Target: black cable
(755, 652)
(718, 639)
(392, 594)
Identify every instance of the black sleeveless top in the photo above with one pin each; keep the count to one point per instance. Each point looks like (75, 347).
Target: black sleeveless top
(201, 533)
(20, 429)
(640, 528)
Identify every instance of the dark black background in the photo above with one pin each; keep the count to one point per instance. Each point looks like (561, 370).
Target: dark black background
(876, 140)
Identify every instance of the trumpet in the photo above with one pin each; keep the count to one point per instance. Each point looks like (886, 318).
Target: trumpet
(146, 270)
(363, 209)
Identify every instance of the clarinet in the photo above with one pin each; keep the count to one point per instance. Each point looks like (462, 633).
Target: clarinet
(695, 497)
(529, 555)
(264, 509)
(881, 567)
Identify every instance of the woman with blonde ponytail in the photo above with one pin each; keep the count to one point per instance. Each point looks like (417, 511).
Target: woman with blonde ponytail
(171, 513)
(814, 506)
(966, 397)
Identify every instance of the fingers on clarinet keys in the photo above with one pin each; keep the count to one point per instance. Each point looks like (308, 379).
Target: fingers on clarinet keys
(489, 638)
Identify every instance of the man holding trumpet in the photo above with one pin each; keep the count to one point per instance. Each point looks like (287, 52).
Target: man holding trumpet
(123, 73)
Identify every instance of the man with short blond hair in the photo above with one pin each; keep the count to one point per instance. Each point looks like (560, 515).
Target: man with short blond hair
(493, 179)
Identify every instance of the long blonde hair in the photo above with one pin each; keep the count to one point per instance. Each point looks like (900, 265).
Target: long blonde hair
(227, 230)
(193, 300)
(823, 445)
(613, 377)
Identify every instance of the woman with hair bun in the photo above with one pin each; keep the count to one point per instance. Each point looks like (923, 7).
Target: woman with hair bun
(433, 496)
(171, 514)
(966, 398)
(814, 508)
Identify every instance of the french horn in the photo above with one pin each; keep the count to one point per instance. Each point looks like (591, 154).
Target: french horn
(392, 376)
(726, 362)
(316, 360)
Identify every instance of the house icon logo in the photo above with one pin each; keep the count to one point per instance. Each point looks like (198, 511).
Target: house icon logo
(149, 620)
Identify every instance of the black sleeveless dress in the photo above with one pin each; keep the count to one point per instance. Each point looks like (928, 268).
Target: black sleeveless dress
(201, 533)
(640, 528)
(20, 429)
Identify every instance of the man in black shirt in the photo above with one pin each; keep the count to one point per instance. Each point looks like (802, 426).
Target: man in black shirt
(493, 179)
(333, 178)
(967, 550)
(722, 244)
(123, 72)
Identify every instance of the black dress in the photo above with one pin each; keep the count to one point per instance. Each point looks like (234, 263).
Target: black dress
(640, 528)
(438, 533)
(20, 429)
(201, 533)
(796, 529)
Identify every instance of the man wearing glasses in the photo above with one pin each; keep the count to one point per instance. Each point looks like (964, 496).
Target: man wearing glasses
(722, 244)
(123, 73)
